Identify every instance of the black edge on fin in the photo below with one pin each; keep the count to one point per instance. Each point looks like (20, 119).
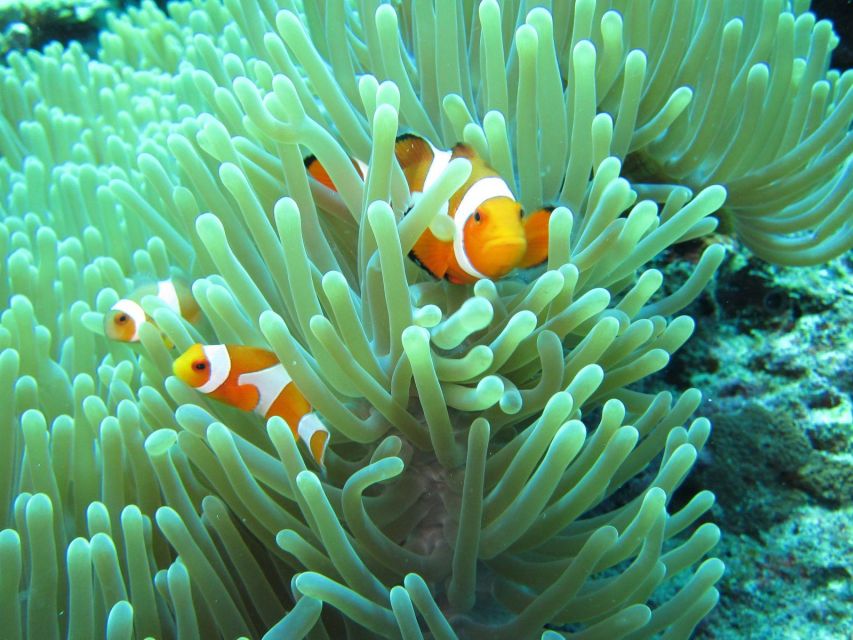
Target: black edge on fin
(406, 136)
(463, 150)
(309, 160)
(417, 261)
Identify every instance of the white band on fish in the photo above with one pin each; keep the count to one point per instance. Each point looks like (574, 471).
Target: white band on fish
(309, 426)
(220, 366)
(440, 160)
(132, 309)
(482, 190)
(269, 382)
(167, 293)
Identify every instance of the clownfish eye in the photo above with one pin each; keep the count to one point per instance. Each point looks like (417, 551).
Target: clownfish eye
(199, 365)
(122, 318)
(477, 216)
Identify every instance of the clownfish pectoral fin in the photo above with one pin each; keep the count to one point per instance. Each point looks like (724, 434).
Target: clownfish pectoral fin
(536, 231)
(315, 435)
(432, 254)
(411, 150)
(319, 173)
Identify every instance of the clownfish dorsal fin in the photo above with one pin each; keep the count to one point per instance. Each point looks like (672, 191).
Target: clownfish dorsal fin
(536, 232)
(411, 150)
(432, 254)
(245, 358)
(479, 168)
(462, 150)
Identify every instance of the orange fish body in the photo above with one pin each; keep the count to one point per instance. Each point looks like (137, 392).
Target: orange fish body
(491, 236)
(126, 316)
(253, 379)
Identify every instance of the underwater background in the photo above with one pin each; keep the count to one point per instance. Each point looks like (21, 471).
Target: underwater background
(135, 508)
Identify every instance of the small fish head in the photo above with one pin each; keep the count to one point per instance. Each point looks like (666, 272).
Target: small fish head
(494, 237)
(192, 366)
(122, 322)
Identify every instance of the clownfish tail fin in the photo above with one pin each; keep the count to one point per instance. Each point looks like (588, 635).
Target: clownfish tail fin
(536, 231)
(318, 172)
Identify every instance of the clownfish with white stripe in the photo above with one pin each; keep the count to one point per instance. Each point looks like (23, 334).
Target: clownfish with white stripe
(126, 316)
(491, 234)
(253, 379)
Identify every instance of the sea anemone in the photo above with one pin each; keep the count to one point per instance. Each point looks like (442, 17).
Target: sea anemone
(493, 466)
(768, 121)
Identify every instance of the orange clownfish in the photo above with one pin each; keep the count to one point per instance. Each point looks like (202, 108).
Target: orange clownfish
(491, 236)
(253, 379)
(126, 316)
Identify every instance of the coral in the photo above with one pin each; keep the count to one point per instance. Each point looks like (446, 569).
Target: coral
(796, 579)
(757, 453)
(484, 439)
(776, 379)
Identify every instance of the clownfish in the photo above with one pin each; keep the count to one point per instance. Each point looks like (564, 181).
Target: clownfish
(491, 237)
(126, 316)
(253, 379)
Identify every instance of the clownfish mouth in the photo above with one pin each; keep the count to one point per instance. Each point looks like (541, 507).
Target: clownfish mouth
(504, 253)
(509, 245)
